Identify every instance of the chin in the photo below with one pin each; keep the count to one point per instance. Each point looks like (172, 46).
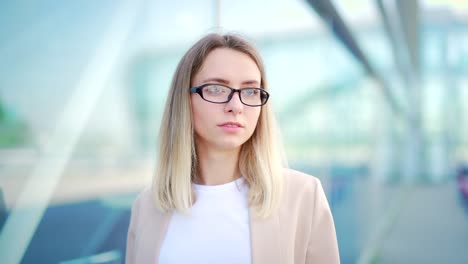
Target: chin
(230, 145)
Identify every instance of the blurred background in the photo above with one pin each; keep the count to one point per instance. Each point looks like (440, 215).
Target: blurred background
(370, 94)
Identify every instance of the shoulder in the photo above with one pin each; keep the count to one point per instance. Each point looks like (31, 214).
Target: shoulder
(144, 203)
(301, 195)
(301, 190)
(144, 211)
(144, 200)
(298, 181)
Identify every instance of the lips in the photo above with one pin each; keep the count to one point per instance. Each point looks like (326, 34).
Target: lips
(231, 124)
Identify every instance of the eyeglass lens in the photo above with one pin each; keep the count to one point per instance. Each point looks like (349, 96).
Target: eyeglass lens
(220, 94)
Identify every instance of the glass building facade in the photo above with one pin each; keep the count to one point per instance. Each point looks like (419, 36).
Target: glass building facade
(370, 97)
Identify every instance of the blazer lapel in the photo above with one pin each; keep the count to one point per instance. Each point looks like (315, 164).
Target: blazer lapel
(265, 239)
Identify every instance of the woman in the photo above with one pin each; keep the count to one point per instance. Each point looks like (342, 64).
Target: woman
(221, 193)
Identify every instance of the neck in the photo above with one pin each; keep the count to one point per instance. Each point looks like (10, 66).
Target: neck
(217, 167)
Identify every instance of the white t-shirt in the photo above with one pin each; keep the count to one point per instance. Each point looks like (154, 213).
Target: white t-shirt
(216, 231)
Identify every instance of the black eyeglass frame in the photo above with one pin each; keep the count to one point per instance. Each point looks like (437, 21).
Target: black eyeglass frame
(263, 93)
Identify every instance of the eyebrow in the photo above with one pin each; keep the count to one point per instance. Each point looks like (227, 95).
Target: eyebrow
(224, 81)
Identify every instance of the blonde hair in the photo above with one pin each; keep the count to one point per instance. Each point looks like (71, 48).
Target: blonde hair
(261, 159)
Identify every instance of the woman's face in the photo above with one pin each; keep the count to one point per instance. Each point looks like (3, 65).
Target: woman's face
(225, 126)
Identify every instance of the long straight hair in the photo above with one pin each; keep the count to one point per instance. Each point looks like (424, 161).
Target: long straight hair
(261, 159)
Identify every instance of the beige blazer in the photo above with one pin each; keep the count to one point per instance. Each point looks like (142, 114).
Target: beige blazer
(301, 231)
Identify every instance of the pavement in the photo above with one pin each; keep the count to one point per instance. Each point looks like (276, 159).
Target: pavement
(392, 223)
(432, 227)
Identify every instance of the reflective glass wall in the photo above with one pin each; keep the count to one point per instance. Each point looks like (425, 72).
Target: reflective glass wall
(369, 95)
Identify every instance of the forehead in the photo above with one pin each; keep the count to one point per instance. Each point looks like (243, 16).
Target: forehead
(228, 64)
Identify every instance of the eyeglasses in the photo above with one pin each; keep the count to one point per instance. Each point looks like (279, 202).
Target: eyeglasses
(220, 94)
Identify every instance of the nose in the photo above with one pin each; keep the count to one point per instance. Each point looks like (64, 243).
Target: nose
(234, 105)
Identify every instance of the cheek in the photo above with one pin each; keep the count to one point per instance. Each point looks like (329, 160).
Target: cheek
(197, 113)
(254, 116)
(201, 113)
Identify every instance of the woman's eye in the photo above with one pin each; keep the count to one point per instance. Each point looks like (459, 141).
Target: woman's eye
(213, 89)
(250, 92)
